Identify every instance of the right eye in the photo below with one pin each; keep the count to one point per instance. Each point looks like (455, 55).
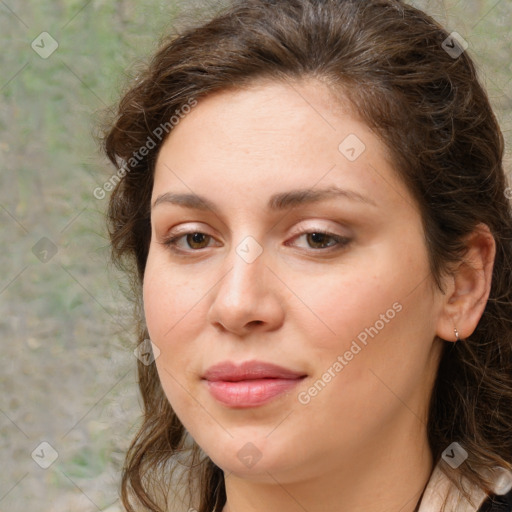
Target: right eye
(193, 239)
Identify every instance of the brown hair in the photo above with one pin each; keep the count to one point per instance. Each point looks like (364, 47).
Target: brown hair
(427, 105)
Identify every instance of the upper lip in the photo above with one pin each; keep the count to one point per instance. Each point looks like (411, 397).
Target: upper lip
(249, 370)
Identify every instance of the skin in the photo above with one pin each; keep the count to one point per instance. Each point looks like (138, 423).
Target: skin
(360, 444)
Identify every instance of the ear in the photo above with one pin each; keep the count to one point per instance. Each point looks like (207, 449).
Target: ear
(466, 296)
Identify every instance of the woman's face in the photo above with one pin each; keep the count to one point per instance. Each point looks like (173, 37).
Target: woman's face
(250, 278)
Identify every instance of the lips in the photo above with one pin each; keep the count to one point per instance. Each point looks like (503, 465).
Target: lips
(249, 370)
(249, 384)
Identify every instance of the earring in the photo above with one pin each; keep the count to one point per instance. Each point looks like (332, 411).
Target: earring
(456, 334)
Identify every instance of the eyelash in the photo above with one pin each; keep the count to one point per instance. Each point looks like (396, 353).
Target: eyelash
(341, 241)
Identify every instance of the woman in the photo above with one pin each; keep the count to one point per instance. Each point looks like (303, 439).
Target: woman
(313, 207)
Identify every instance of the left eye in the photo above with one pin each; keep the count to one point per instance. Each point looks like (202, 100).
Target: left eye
(318, 239)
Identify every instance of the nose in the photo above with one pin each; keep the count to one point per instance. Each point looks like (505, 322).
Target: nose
(247, 296)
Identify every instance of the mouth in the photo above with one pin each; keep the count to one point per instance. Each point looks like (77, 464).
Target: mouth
(249, 384)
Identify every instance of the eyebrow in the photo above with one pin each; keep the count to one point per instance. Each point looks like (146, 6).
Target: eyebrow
(277, 202)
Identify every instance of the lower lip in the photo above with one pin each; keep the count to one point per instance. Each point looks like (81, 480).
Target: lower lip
(250, 393)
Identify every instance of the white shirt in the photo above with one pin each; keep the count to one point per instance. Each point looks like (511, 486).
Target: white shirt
(440, 486)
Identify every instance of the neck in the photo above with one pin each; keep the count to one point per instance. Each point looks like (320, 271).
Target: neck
(380, 477)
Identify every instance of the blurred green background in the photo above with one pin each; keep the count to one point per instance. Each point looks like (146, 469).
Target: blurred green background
(67, 364)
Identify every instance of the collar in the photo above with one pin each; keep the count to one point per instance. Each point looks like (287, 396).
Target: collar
(440, 487)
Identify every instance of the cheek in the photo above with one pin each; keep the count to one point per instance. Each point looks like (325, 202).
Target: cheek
(342, 303)
(171, 302)
(172, 307)
(379, 297)
(169, 314)
(376, 317)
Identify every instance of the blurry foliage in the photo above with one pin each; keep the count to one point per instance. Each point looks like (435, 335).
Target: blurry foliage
(67, 364)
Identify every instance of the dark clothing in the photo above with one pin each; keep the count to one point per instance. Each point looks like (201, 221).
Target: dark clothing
(497, 503)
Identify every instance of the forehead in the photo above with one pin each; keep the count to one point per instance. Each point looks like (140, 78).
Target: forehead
(271, 136)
